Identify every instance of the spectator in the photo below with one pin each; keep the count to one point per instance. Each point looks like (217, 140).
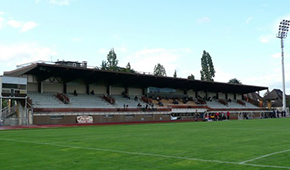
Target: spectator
(75, 92)
(93, 92)
(139, 105)
(196, 116)
(228, 115)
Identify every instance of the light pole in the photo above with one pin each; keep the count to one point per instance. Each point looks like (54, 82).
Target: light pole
(282, 33)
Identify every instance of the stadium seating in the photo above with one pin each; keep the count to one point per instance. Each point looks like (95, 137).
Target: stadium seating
(120, 101)
(45, 100)
(88, 101)
(49, 100)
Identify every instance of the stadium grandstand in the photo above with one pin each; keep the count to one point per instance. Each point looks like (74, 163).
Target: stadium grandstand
(66, 92)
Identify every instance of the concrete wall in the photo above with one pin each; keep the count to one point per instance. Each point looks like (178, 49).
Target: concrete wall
(52, 87)
(191, 93)
(117, 90)
(32, 87)
(211, 94)
(102, 118)
(100, 90)
(222, 95)
(231, 96)
(201, 93)
(78, 86)
(239, 96)
(135, 91)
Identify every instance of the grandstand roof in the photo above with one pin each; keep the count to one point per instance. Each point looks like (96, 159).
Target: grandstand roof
(94, 75)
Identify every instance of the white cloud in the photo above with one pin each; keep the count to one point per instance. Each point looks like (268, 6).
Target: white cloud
(266, 38)
(223, 76)
(103, 51)
(121, 49)
(203, 20)
(23, 26)
(277, 55)
(13, 55)
(14, 24)
(145, 60)
(76, 39)
(248, 20)
(60, 2)
(115, 37)
(28, 26)
(1, 19)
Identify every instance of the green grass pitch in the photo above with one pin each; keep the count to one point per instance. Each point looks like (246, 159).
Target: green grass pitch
(262, 144)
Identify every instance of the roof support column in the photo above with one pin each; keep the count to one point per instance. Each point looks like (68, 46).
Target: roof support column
(217, 95)
(143, 91)
(40, 87)
(87, 89)
(1, 103)
(126, 91)
(64, 88)
(109, 90)
(196, 94)
(235, 96)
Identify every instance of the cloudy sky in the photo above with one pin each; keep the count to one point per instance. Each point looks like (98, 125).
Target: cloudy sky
(239, 35)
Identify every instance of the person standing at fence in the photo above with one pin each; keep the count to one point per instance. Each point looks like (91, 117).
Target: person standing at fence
(228, 115)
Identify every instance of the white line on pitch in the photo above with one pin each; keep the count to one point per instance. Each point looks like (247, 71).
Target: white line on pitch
(263, 156)
(149, 154)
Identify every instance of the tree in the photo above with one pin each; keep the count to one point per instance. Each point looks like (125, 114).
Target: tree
(207, 71)
(175, 74)
(191, 77)
(112, 62)
(128, 69)
(234, 81)
(104, 65)
(159, 70)
(128, 66)
(4, 103)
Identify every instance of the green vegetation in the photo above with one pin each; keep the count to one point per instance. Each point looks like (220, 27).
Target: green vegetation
(175, 74)
(200, 146)
(207, 72)
(191, 77)
(112, 63)
(234, 81)
(159, 70)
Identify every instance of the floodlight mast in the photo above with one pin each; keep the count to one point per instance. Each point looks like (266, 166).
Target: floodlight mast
(282, 33)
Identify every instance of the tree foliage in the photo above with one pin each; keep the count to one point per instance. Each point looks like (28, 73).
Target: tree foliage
(234, 81)
(4, 103)
(112, 61)
(207, 71)
(175, 74)
(104, 65)
(159, 70)
(191, 77)
(127, 69)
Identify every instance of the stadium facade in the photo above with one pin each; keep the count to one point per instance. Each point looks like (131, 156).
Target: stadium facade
(66, 92)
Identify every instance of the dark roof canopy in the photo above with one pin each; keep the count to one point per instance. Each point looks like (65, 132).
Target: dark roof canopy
(275, 94)
(44, 71)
